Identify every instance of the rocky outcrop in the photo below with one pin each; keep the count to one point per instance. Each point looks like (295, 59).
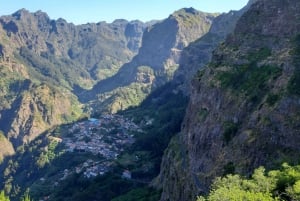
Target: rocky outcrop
(39, 109)
(43, 60)
(6, 148)
(96, 51)
(197, 54)
(157, 60)
(244, 106)
(34, 109)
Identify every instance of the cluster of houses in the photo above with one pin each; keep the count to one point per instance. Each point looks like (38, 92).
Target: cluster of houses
(91, 168)
(107, 136)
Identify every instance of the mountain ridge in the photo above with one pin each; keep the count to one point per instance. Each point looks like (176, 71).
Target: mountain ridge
(40, 61)
(157, 60)
(57, 57)
(243, 104)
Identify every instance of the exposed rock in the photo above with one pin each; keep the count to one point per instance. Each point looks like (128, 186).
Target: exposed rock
(244, 107)
(41, 60)
(160, 51)
(94, 48)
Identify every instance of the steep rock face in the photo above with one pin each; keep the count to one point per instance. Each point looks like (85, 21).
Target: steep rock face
(43, 60)
(36, 110)
(163, 42)
(6, 147)
(244, 107)
(156, 62)
(29, 108)
(199, 53)
(95, 50)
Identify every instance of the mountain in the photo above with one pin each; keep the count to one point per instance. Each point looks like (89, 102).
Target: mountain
(92, 51)
(57, 65)
(43, 61)
(197, 54)
(154, 65)
(54, 73)
(244, 105)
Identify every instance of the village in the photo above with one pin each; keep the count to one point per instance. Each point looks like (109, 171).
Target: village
(107, 137)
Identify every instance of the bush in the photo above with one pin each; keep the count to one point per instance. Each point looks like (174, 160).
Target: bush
(283, 184)
(272, 99)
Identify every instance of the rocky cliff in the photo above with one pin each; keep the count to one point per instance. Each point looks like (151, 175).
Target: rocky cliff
(29, 107)
(42, 61)
(156, 62)
(244, 107)
(197, 54)
(45, 62)
(95, 51)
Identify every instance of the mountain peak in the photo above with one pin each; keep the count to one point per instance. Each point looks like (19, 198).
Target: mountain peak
(189, 10)
(184, 11)
(20, 13)
(40, 13)
(120, 21)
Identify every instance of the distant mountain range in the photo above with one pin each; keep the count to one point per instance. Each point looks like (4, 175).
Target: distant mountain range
(238, 71)
(54, 72)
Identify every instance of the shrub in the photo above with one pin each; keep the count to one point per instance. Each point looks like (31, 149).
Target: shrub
(272, 99)
(230, 130)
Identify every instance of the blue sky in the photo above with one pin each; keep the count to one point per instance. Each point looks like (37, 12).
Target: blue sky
(84, 11)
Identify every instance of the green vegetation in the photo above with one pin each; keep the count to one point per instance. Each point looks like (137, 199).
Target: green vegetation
(229, 168)
(122, 98)
(47, 155)
(140, 194)
(249, 79)
(200, 73)
(161, 114)
(3, 197)
(10, 85)
(296, 48)
(26, 197)
(2, 136)
(190, 17)
(230, 130)
(259, 55)
(54, 71)
(203, 114)
(294, 82)
(283, 184)
(77, 188)
(272, 99)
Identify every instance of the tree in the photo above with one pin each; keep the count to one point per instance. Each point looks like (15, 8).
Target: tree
(3, 197)
(26, 197)
(283, 184)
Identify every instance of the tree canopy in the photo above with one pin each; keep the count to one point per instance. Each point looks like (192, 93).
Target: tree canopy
(283, 184)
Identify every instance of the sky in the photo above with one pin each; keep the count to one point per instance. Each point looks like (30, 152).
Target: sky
(85, 11)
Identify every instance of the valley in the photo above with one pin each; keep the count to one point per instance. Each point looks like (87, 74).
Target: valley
(197, 106)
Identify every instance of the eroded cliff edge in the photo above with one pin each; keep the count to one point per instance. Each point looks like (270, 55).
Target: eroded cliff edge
(244, 107)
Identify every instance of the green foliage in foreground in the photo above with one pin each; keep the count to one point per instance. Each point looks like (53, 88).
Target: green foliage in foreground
(26, 197)
(3, 197)
(274, 185)
(140, 194)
